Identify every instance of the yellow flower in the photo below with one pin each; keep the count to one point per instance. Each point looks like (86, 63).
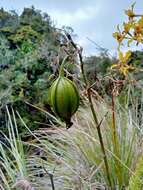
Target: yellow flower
(118, 36)
(140, 22)
(124, 58)
(125, 69)
(138, 32)
(138, 38)
(129, 13)
(122, 66)
(115, 66)
(131, 31)
(127, 27)
(138, 29)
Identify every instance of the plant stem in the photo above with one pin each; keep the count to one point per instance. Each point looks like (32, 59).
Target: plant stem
(116, 143)
(52, 181)
(96, 121)
(61, 71)
(92, 109)
(51, 178)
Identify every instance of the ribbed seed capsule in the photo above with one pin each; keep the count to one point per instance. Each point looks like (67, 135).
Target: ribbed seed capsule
(64, 99)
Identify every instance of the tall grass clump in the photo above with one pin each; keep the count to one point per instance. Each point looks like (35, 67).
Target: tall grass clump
(74, 156)
(14, 169)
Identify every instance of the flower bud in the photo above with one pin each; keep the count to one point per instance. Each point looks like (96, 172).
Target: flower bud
(64, 99)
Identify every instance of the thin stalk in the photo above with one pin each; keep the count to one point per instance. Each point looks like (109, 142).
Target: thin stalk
(61, 71)
(92, 109)
(116, 143)
(96, 121)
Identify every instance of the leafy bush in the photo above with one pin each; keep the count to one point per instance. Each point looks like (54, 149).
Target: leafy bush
(27, 50)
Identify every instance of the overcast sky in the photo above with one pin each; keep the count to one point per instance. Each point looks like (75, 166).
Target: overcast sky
(95, 19)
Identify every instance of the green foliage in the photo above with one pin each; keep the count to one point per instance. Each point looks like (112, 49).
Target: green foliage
(28, 45)
(136, 181)
(12, 157)
(40, 22)
(97, 66)
(24, 34)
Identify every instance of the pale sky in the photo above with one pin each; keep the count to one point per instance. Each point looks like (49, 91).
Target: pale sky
(95, 19)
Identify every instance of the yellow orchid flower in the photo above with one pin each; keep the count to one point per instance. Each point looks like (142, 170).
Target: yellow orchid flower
(131, 31)
(118, 36)
(125, 69)
(129, 13)
(140, 22)
(115, 66)
(122, 63)
(127, 26)
(124, 58)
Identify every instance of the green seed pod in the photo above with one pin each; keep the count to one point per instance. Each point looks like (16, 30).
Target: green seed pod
(64, 98)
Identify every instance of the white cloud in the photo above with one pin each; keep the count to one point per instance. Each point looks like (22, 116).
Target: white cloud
(79, 20)
(73, 18)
